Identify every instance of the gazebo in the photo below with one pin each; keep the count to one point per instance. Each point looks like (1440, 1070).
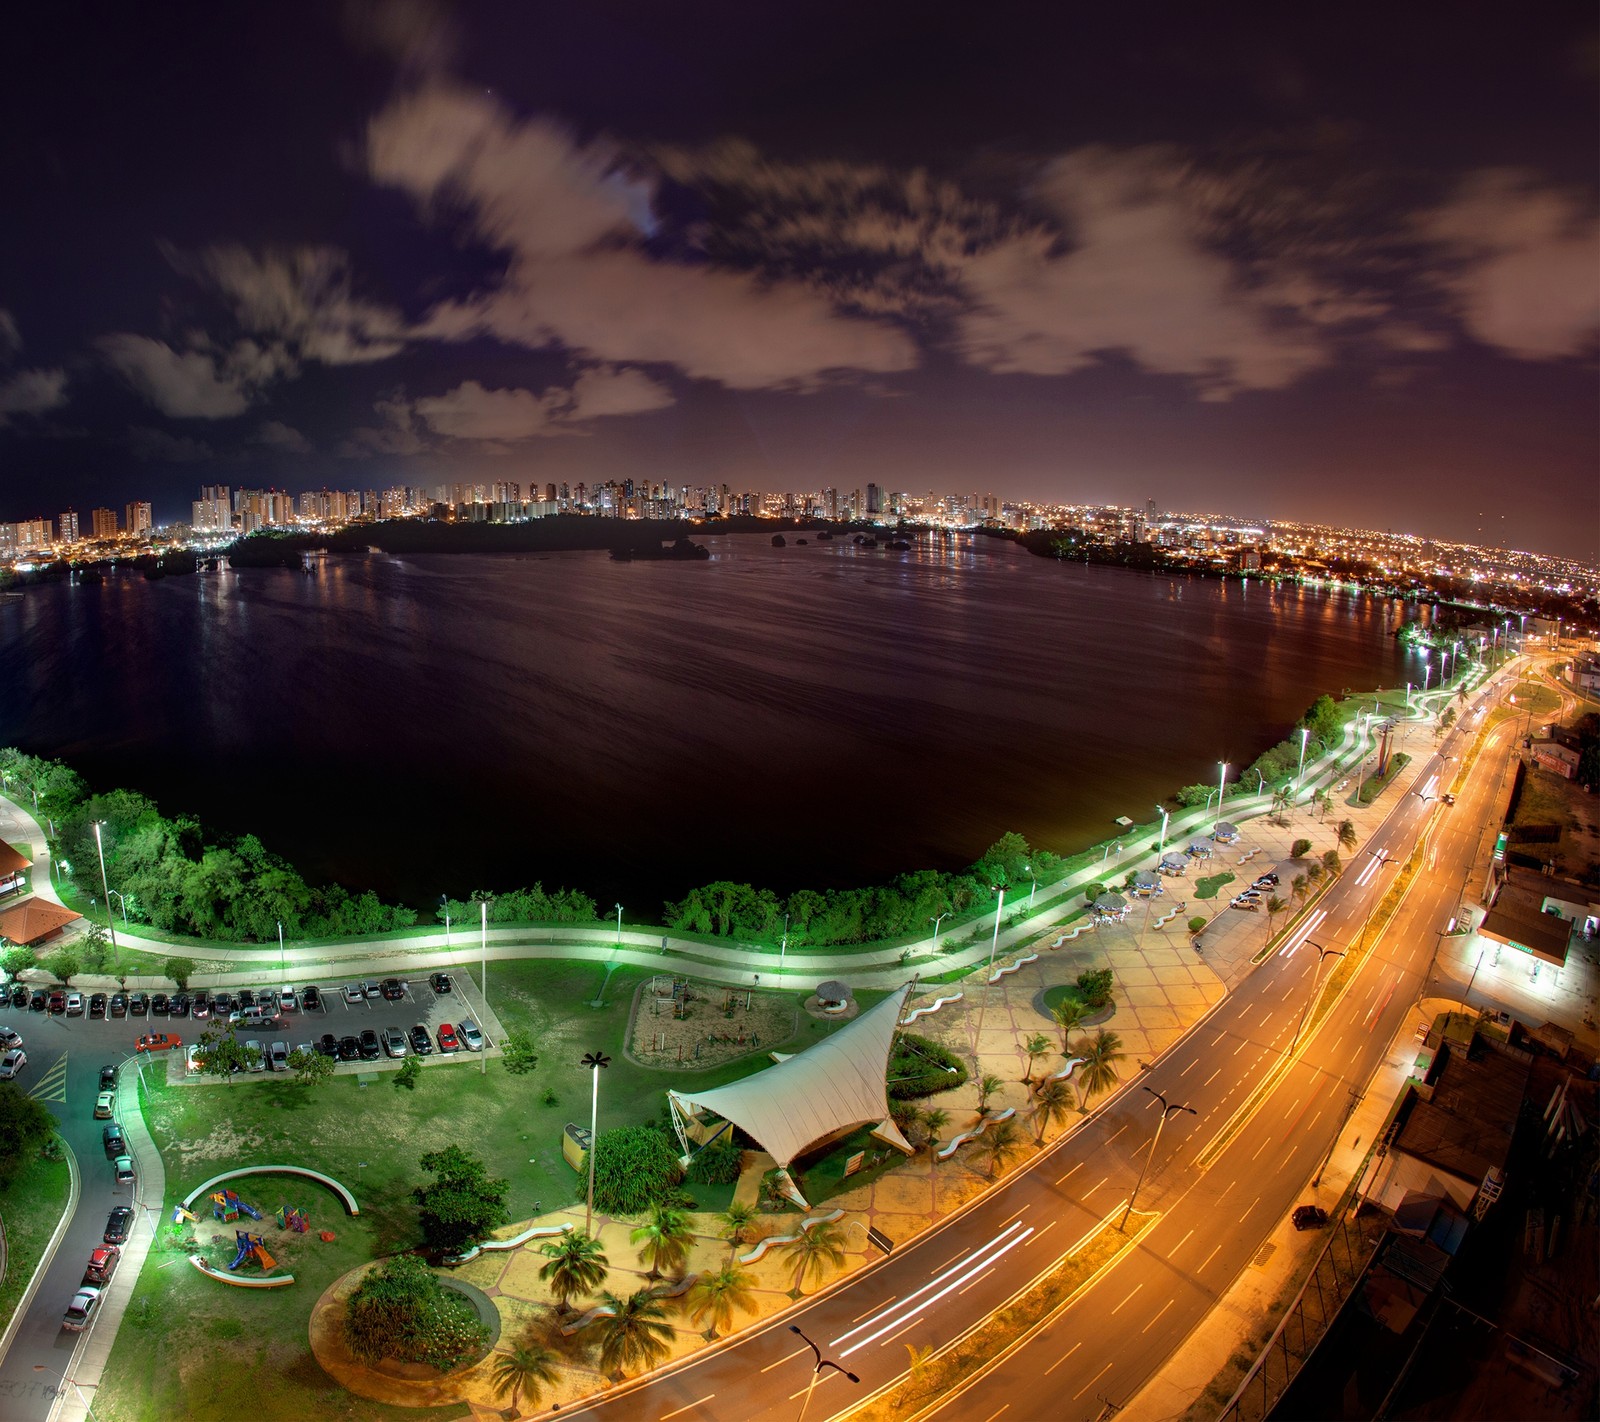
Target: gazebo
(33, 921)
(1225, 833)
(834, 996)
(1145, 884)
(1174, 864)
(823, 1092)
(1112, 905)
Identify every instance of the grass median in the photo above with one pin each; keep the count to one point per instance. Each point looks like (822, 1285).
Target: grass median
(31, 1208)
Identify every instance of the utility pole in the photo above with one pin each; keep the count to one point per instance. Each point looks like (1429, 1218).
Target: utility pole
(1355, 1100)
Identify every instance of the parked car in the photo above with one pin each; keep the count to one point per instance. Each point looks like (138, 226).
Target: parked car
(246, 998)
(122, 1168)
(138, 1004)
(354, 992)
(12, 1063)
(105, 1105)
(74, 1004)
(200, 1008)
(440, 982)
(448, 1041)
(277, 1055)
(108, 1078)
(97, 1004)
(19, 995)
(118, 1223)
(102, 1263)
(221, 1004)
(58, 1003)
(195, 1059)
(180, 1004)
(288, 1000)
(38, 1000)
(309, 1048)
(1248, 905)
(471, 1037)
(157, 1042)
(328, 1045)
(257, 1055)
(371, 1050)
(9, 1037)
(160, 1003)
(1266, 881)
(118, 1005)
(81, 1309)
(421, 1042)
(1309, 1217)
(393, 990)
(111, 1139)
(311, 997)
(371, 989)
(349, 1049)
(394, 1042)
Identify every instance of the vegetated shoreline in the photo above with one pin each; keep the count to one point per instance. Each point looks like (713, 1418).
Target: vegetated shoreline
(967, 894)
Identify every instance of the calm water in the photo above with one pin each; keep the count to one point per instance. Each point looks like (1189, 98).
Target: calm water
(800, 716)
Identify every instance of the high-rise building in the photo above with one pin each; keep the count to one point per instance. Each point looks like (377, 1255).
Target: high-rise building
(874, 500)
(69, 527)
(136, 518)
(103, 523)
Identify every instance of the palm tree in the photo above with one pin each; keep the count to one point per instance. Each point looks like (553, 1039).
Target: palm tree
(987, 1086)
(1347, 833)
(736, 1220)
(1051, 1103)
(1331, 862)
(1275, 906)
(522, 1372)
(666, 1239)
(1070, 1014)
(1036, 1046)
(1000, 1144)
(577, 1266)
(1300, 886)
(906, 1116)
(1098, 1073)
(815, 1249)
(934, 1120)
(718, 1296)
(636, 1335)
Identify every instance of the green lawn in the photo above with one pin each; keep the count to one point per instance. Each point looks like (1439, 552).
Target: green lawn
(188, 1340)
(1207, 886)
(31, 1209)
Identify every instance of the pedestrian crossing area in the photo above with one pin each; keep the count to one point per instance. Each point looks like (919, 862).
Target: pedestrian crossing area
(52, 1086)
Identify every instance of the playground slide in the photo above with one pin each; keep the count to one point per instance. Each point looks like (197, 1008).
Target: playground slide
(265, 1260)
(244, 1252)
(250, 1210)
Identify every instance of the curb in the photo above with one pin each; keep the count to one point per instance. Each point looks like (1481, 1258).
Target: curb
(47, 1257)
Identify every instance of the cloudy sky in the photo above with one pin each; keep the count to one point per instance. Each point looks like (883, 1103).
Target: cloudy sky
(1237, 260)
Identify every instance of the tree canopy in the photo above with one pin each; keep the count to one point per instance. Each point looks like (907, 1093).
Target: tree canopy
(463, 1204)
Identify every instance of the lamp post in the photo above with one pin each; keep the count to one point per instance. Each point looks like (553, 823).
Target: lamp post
(1305, 735)
(817, 1367)
(483, 973)
(1117, 846)
(936, 920)
(783, 947)
(988, 989)
(1322, 955)
(618, 908)
(1222, 780)
(122, 903)
(1034, 880)
(1166, 1110)
(281, 968)
(444, 903)
(596, 1062)
(1162, 843)
(88, 1406)
(105, 887)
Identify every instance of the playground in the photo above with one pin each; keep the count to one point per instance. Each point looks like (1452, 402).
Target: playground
(684, 1024)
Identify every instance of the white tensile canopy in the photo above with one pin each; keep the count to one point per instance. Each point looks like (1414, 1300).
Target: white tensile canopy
(837, 1084)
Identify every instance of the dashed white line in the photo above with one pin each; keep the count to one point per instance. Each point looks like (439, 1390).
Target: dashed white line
(1246, 1214)
(1120, 1130)
(1214, 1075)
(1135, 1290)
(1063, 1358)
(690, 1408)
(1208, 1259)
(1164, 1307)
(1092, 1381)
(1093, 1188)
(1078, 1166)
(789, 1357)
(1179, 1245)
(1192, 1065)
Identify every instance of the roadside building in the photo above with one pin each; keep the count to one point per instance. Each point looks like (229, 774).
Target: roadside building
(1553, 755)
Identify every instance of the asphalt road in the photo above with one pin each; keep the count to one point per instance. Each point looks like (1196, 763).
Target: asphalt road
(1212, 1220)
(65, 1055)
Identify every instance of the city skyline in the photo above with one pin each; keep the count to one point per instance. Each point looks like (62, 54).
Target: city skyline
(1252, 265)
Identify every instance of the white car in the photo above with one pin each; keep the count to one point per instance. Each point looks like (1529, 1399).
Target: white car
(12, 1063)
(81, 1309)
(355, 992)
(257, 1054)
(289, 1000)
(9, 1037)
(74, 1004)
(471, 1037)
(278, 1055)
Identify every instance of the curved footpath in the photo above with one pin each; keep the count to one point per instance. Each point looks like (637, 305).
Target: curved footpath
(731, 963)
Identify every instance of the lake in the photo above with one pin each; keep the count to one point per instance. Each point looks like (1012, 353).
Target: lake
(804, 716)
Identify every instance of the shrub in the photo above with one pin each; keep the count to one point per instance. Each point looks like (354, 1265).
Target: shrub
(1300, 849)
(716, 1164)
(401, 1310)
(1196, 923)
(1094, 988)
(519, 1055)
(918, 1067)
(634, 1167)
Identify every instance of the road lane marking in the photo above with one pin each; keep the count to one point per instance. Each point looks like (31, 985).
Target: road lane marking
(1120, 1130)
(1007, 1220)
(1135, 1290)
(1207, 1260)
(882, 1303)
(966, 1257)
(1164, 1307)
(1179, 1245)
(1214, 1075)
(1246, 1214)
(788, 1357)
(1078, 1166)
(1264, 1144)
(1219, 1037)
(1243, 1043)
(1063, 1358)
(1093, 1188)
(914, 1322)
(1092, 1381)
(1001, 1408)
(690, 1408)
(1192, 1065)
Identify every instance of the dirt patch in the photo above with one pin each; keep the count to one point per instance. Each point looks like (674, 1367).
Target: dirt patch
(682, 1022)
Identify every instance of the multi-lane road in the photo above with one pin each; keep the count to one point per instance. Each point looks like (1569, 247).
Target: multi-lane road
(1216, 1204)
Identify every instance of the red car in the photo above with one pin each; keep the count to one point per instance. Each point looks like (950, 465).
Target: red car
(102, 1264)
(157, 1042)
(448, 1041)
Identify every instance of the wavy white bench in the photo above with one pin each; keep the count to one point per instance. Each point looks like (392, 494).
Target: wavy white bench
(515, 1242)
(951, 1146)
(303, 1171)
(1065, 1070)
(1068, 937)
(762, 1245)
(599, 1311)
(1005, 968)
(274, 1281)
(917, 1012)
(1170, 914)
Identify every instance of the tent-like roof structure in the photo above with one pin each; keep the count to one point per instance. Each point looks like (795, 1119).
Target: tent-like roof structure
(837, 1084)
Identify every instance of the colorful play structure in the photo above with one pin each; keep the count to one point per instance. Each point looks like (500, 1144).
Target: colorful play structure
(227, 1207)
(292, 1217)
(252, 1247)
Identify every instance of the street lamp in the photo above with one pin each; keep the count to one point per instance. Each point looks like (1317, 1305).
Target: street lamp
(444, 903)
(1166, 1110)
(1222, 780)
(1034, 878)
(988, 990)
(936, 920)
(88, 1406)
(816, 1370)
(122, 903)
(596, 1062)
(618, 908)
(1162, 844)
(1305, 735)
(1117, 846)
(483, 973)
(1322, 955)
(111, 926)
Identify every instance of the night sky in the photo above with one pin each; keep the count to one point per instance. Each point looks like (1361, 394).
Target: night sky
(1336, 265)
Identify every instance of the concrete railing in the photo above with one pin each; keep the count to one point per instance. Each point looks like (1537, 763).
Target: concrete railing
(955, 1143)
(761, 1246)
